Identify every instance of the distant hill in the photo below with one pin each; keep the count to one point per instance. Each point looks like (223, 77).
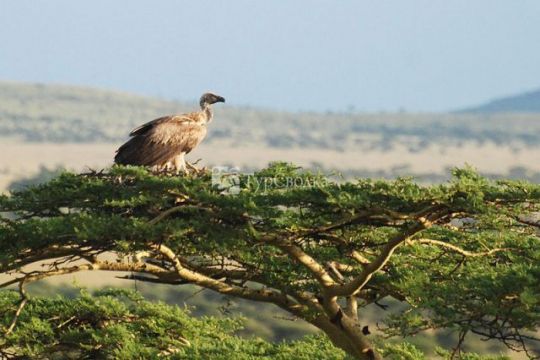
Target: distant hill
(57, 113)
(528, 102)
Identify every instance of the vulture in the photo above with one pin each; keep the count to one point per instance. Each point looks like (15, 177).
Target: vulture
(163, 142)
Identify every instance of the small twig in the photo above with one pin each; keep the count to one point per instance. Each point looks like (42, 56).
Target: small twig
(66, 322)
(457, 349)
(175, 209)
(382, 306)
(164, 214)
(22, 303)
(333, 270)
(194, 294)
(286, 318)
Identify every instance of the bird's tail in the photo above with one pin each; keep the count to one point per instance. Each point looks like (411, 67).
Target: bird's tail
(127, 154)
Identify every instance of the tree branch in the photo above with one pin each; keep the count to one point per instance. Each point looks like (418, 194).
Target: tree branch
(264, 295)
(309, 263)
(355, 285)
(455, 248)
(22, 303)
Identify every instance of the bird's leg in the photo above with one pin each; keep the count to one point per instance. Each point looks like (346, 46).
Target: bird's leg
(164, 168)
(180, 164)
(158, 169)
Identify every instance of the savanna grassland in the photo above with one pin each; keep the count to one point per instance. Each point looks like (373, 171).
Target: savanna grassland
(44, 128)
(52, 126)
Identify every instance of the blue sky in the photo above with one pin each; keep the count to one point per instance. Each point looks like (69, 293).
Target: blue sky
(419, 55)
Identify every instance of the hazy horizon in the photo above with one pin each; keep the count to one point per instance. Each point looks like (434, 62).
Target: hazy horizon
(423, 55)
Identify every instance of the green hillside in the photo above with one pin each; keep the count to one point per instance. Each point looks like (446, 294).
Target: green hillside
(56, 113)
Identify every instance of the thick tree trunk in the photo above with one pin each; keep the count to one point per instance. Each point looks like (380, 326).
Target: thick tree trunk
(346, 333)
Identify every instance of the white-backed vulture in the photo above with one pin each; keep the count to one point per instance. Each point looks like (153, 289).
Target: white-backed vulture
(162, 143)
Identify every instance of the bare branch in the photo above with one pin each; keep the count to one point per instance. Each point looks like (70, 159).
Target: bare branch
(455, 248)
(352, 307)
(263, 294)
(185, 205)
(166, 213)
(334, 270)
(309, 262)
(355, 285)
(22, 303)
(30, 256)
(363, 215)
(456, 352)
(153, 280)
(10, 282)
(356, 256)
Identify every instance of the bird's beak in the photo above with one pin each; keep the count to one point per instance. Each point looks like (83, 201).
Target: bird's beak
(220, 99)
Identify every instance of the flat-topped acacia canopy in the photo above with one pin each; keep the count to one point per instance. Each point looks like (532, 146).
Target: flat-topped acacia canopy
(465, 254)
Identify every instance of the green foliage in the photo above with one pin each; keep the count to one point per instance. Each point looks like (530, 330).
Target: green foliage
(119, 324)
(474, 268)
(406, 351)
(469, 356)
(403, 351)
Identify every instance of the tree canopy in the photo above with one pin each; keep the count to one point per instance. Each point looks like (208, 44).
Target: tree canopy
(463, 255)
(120, 324)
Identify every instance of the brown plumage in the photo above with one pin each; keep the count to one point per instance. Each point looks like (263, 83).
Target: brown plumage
(162, 143)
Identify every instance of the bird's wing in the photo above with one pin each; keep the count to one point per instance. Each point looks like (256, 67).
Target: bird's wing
(158, 141)
(184, 132)
(151, 124)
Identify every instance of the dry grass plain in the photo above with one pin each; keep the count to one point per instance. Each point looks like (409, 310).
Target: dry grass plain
(20, 159)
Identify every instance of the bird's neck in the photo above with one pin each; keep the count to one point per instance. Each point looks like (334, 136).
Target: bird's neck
(206, 111)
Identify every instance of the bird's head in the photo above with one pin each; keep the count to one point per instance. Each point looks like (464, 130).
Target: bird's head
(209, 98)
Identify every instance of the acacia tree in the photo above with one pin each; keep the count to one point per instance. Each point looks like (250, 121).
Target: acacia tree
(463, 255)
